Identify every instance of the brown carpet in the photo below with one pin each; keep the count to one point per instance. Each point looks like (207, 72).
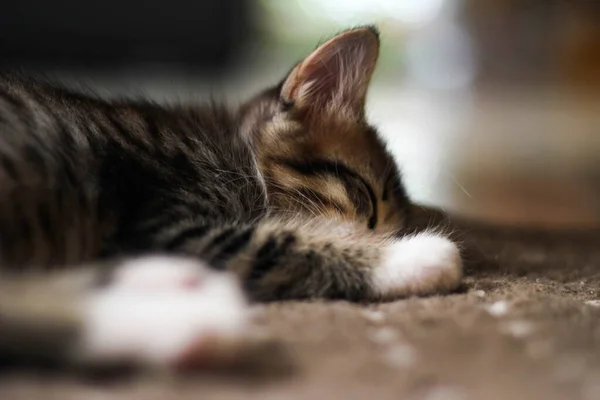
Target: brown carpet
(524, 326)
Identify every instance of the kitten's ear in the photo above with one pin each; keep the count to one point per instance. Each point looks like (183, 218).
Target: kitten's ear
(336, 74)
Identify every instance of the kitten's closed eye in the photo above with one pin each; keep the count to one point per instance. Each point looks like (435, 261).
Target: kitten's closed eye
(358, 195)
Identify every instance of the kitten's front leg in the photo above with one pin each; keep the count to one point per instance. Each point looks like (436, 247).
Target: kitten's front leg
(416, 264)
(285, 260)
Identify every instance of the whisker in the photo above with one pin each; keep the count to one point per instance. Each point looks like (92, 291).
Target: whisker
(460, 186)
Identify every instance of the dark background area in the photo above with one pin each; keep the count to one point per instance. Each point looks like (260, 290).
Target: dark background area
(71, 32)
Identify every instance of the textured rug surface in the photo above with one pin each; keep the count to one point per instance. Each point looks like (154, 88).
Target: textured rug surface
(525, 325)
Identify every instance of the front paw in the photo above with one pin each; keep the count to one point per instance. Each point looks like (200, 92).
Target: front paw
(422, 264)
(157, 310)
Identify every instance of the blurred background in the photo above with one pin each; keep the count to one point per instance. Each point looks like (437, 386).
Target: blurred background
(492, 107)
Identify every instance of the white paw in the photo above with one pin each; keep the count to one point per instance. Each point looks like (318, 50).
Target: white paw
(416, 265)
(160, 273)
(158, 309)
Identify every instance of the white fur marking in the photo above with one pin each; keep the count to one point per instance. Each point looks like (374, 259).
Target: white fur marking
(421, 264)
(158, 274)
(151, 315)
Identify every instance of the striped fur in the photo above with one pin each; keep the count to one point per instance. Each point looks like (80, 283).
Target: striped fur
(293, 192)
(84, 179)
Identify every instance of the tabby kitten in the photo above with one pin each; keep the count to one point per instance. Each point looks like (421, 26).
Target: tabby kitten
(293, 193)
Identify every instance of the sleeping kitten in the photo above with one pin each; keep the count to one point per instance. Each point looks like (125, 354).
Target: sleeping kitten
(293, 193)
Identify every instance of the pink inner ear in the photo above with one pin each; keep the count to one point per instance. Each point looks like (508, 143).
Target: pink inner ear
(340, 68)
(323, 71)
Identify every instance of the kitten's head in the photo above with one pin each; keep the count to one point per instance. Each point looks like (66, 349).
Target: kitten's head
(315, 150)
